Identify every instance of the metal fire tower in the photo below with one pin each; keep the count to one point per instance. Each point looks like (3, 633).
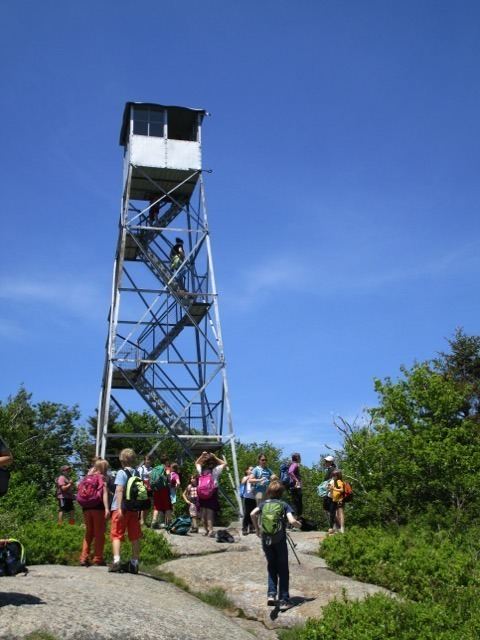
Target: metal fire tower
(164, 346)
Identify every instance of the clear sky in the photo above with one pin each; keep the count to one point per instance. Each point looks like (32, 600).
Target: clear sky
(343, 203)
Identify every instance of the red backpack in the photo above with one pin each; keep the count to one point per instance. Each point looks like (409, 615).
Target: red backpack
(347, 492)
(90, 491)
(206, 485)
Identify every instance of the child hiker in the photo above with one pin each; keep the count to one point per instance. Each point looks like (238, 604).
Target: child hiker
(274, 514)
(93, 498)
(191, 498)
(124, 520)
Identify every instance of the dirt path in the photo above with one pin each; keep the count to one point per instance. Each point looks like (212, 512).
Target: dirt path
(240, 570)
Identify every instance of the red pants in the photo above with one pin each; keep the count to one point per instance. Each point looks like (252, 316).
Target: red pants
(94, 529)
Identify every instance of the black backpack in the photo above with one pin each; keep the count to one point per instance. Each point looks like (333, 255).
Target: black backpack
(12, 558)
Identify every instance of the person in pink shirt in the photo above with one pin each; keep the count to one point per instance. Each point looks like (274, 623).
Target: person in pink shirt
(174, 482)
(65, 495)
(296, 485)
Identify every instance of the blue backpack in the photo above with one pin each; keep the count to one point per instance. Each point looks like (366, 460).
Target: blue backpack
(284, 475)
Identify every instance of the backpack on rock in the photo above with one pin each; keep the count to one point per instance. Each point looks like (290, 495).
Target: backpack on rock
(180, 526)
(12, 557)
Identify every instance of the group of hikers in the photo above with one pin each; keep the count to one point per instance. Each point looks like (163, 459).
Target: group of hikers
(124, 497)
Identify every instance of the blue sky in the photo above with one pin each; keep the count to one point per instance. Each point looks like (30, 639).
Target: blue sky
(343, 203)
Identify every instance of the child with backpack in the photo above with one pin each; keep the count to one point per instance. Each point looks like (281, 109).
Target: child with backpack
(190, 495)
(129, 499)
(92, 496)
(144, 471)
(209, 468)
(337, 495)
(160, 486)
(274, 514)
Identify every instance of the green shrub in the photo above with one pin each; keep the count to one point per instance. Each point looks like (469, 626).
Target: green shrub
(46, 542)
(420, 564)
(379, 617)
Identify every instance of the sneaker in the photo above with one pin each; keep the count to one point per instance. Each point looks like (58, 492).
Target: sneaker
(155, 525)
(85, 563)
(115, 567)
(271, 600)
(285, 603)
(244, 532)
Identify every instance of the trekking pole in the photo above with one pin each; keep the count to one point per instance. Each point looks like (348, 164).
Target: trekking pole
(292, 546)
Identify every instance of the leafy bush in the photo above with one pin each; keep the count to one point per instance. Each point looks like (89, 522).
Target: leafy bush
(416, 562)
(379, 617)
(46, 542)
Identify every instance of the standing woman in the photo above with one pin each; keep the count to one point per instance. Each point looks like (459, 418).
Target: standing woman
(249, 503)
(337, 493)
(209, 468)
(260, 478)
(296, 485)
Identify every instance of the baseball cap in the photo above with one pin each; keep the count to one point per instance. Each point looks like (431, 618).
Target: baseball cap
(329, 458)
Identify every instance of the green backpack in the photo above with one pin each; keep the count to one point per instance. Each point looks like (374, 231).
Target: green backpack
(136, 496)
(273, 520)
(12, 558)
(158, 478)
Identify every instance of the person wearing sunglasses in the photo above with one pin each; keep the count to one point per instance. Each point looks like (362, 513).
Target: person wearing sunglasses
(260, 478)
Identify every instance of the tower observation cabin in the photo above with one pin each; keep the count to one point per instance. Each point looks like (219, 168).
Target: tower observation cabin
(164, 350)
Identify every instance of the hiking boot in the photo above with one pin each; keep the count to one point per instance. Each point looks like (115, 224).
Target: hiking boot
(244, 532)
(271, 600)
(115, 567)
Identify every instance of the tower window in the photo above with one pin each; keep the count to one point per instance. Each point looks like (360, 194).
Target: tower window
(148, 122)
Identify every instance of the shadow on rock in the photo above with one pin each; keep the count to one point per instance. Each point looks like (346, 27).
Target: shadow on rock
(18, 599)
(295, 601)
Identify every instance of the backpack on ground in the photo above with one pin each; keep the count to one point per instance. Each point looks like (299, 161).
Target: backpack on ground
(273, 520)
(12, 558)
(307, 525)
(136, 497)
(4, 480)
(158, 478)
(180, 526)
(90, 491)
(206, 485)
(347, 492)
(322, 489)
(285, 478)
(224, 536)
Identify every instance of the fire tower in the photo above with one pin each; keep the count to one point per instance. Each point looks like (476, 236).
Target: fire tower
(164, 346)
